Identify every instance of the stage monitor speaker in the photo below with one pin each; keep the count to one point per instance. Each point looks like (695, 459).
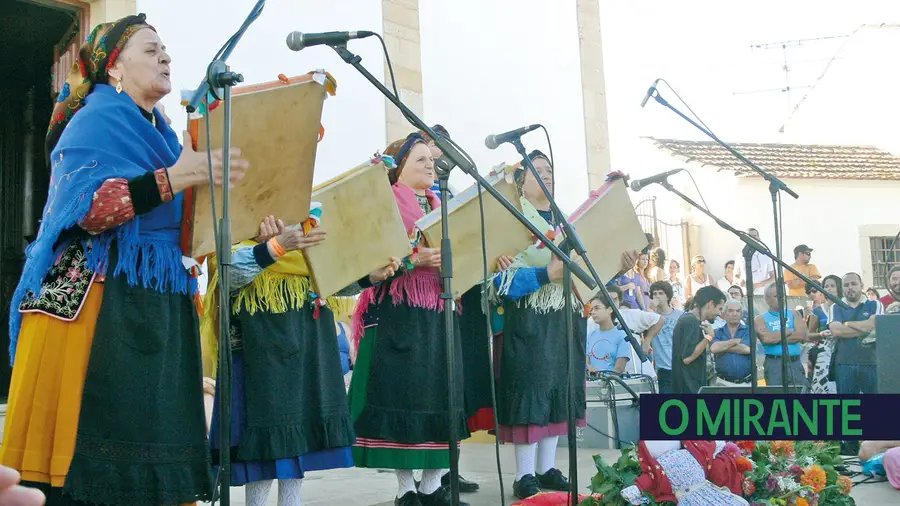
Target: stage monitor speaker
(887, 330)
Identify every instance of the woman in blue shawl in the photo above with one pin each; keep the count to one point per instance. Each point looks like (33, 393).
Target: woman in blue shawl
(105, 404)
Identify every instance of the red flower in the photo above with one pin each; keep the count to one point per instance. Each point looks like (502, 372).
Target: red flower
(60, 117)
(743, 464)
(746, 446)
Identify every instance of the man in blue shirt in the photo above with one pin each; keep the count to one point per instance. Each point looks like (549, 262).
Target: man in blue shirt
(768, 329)
(607, 348)
(661, 294)
(854, 355)
(731, 346)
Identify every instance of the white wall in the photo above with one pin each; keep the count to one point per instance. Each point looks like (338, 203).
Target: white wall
(193, 30)
(492, 66)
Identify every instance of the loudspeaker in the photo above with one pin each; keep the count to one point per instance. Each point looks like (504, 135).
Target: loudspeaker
(602, 424)
(887, 353)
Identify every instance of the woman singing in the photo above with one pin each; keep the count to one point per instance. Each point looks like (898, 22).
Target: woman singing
(289, 405)
(105, 403)
(532, 387)
(398, 394)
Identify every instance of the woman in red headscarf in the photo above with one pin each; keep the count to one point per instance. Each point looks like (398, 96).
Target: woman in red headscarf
(105, 403)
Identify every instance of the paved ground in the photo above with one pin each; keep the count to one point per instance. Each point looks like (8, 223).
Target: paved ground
(364, 487)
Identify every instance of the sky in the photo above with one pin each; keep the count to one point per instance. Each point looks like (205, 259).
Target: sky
(704, 50)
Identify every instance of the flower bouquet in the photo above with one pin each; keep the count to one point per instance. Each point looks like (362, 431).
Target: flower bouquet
(793, 473)
(776, 473)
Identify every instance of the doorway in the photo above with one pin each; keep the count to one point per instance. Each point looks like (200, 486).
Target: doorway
(37, 37)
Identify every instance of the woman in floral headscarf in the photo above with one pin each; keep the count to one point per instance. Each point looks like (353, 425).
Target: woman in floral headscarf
(105, 404)
(398, 395)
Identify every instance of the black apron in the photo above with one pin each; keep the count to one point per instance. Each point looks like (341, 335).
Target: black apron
(142, 429)
(532, 388)
(295, 393)
(406, 398)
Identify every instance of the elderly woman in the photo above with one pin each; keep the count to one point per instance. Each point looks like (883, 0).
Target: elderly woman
(289, 404)
(398, 394)
(105, 403)
(532, 387)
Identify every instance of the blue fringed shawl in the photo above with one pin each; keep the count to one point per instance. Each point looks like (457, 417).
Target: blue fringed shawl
(108, 138)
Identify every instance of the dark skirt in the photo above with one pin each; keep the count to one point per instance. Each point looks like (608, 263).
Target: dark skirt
(399, 390)
(295, 402)
(476, 348)
(243, 472)
(142, 428)
(533, 386)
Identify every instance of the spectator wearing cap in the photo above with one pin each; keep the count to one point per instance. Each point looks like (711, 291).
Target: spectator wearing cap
(796, 286)
(436, 153)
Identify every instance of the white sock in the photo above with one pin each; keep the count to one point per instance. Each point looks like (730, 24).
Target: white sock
(525, 460)
(431, 480)
(406, 482)
(257, 492)
(546, 454)
(289, 492)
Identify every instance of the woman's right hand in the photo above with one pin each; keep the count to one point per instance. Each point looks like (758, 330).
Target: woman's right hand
(192, 167)
(628, 286)
(293, 239)
(385, 272)
(504, 262)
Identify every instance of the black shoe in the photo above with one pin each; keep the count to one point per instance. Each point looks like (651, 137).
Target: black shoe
(465, 486)
(408, 499)
(440, 497)
(553, 480)
(526, 487)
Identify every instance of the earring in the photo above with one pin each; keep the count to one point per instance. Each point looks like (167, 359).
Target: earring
(119, 86)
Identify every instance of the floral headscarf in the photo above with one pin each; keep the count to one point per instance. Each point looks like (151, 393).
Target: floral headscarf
(96, 56)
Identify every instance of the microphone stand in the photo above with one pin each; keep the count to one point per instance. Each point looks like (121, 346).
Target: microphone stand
(573, 242)
(219, 81)
(752, 246)
(454, 158)
(775, 186)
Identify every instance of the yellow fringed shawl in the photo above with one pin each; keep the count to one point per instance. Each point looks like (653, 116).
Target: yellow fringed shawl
(281, 287)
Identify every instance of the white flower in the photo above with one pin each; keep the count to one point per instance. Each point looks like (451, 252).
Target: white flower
(806, 461)
(787, 483)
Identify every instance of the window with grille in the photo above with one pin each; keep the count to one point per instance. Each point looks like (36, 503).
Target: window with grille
(885, 254)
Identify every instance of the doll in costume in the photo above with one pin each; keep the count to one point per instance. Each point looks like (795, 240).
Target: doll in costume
(679, 472)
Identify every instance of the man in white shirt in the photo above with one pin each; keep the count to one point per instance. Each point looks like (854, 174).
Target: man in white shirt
(763, 268)
(639, 322)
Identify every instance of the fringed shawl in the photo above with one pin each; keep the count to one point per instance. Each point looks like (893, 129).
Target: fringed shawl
(108, 138)
(419, 287)
(550, 297)
(283, 286)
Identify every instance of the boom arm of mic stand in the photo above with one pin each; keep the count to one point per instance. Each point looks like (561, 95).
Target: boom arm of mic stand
(462, 162)
(752, 243)
(777, 183)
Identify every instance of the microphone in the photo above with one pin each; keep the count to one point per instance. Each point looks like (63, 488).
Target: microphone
(639, 184)
(299, 40)
(650, 92)
(494, 140)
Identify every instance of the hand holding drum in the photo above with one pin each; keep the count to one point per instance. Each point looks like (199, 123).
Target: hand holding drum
(192, 167)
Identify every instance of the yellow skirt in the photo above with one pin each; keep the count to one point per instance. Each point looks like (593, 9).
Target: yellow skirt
(45, 392)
